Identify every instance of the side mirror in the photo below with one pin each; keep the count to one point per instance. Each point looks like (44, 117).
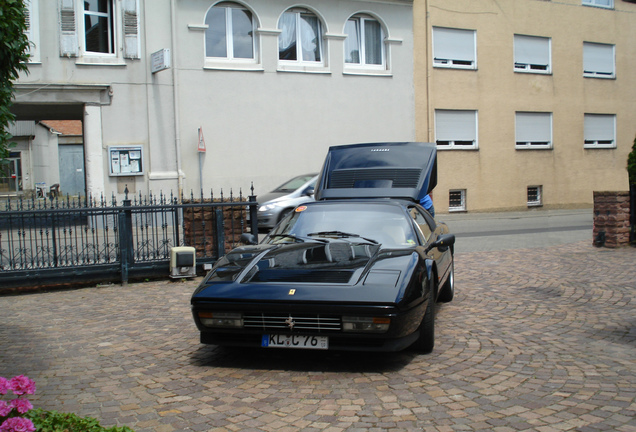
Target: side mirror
(248, 239)
(309, 191)
(442, 242)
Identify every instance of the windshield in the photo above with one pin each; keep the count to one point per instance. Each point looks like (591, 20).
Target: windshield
(365, 222)
(295, 183)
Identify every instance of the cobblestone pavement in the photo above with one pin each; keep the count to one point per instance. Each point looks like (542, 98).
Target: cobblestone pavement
(536, 339)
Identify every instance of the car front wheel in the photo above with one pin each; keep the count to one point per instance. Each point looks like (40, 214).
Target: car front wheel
(426, 340)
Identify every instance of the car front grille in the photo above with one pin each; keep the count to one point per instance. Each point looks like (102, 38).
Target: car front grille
(292, 322)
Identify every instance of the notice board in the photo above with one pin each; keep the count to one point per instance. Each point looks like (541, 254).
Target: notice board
(126, 160)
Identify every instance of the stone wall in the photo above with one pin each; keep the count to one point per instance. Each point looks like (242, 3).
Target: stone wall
(203, 236)
(611, 219)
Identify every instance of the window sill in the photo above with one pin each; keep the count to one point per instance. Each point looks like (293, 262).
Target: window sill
(533, 72)
(368, 72)
(612, 147)
(303, 69)
(603, 77)
(100, 61)
(457, 148)
(229, 66)
(444, 66)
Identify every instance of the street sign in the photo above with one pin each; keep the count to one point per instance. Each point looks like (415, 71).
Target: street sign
(201, 141)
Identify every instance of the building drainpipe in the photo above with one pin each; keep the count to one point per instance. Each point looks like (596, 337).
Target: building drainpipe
(429, 104)
(175, 96)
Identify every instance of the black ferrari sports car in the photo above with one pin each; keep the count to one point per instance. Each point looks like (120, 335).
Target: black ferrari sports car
(361, 268)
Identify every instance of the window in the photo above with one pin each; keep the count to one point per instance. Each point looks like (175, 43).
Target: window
(598, 60)
(98, 26)
(454, 48)
(456, 129)
(96, 35)
(457, 200)
(33, 29)
(600, 131)
(609, 4)
(301, 37)
(364, 44)
(425, 229)
(532, 54)
(230, 33)
(533, 130)
(534, 196)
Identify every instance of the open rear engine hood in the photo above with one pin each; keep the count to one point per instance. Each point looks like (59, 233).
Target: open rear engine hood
(405, 170)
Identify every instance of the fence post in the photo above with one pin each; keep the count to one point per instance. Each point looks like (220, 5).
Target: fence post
(220, 231)
(253, 208)
(125, 238)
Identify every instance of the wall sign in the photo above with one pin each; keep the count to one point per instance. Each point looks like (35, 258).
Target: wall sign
(125, 160)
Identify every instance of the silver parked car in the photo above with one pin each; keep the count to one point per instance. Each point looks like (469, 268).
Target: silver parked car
(273, 206)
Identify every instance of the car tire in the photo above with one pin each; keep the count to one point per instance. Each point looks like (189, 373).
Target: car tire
(447, 292)
(426, 340)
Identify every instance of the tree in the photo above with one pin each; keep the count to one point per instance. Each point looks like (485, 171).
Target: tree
(631, 165)
(14, 45)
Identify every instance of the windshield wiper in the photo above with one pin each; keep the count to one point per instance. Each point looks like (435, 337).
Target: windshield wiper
(291, 236)
(297, 239)
(340, 234)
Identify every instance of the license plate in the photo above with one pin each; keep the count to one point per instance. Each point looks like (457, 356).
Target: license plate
(295, 341)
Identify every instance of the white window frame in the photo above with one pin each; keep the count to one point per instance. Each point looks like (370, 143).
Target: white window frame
(533, 54)
(599, 60)
(229, 35)
(33, 29)
(456, 129)
(321, 40)
(533, 130)
(454, 48)
(112, 31)
(599, 3)
(599, 131)
(462, 200)
(362, 19)
(125, 33)
(537, 191)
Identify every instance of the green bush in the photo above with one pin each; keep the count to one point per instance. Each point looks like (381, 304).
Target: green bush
(53, 421)
(631, 165)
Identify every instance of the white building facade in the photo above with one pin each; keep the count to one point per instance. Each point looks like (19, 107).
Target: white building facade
(264, 87)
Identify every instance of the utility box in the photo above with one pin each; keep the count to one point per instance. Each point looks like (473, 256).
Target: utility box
(183, 262)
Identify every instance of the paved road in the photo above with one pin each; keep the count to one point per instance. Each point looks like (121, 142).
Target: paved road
(517, 230)
(538, 339)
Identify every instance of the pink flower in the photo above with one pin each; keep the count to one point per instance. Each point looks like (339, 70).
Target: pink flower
(4, 385)
(17, 424)
(5, 409)
(22, 385)
(21, 405)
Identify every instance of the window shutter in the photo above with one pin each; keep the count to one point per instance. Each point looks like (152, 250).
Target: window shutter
(131, 29)
(533, 127)
(532, 50)
(598, 58)
(455, 125)
(599, 127)
(68, 29)
(453, 44)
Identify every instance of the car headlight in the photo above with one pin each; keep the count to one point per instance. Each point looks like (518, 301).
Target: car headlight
(266, 207)
(366, 324)
(221, 319)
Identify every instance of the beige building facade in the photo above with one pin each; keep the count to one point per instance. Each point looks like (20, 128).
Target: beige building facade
(532, 103)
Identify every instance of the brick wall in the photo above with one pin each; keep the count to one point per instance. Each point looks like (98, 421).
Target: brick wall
(611, 219)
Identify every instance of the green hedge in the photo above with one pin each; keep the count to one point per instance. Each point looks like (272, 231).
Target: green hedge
(53, 421)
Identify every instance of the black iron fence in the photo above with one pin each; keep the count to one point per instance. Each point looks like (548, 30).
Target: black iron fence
(62, 241)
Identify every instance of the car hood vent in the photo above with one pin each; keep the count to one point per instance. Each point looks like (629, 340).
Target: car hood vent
(308, 276)
(375, 177)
